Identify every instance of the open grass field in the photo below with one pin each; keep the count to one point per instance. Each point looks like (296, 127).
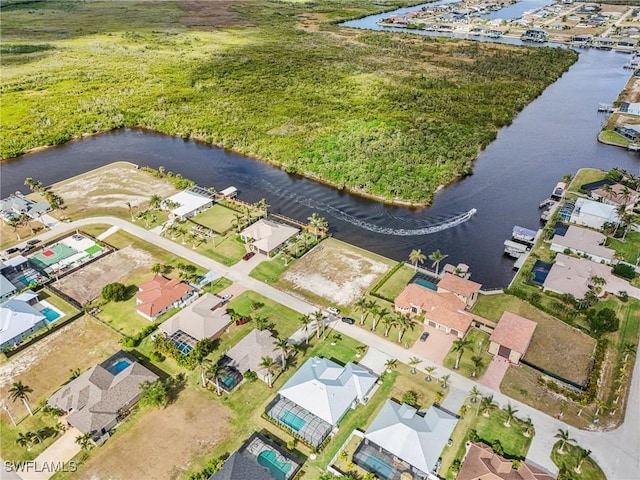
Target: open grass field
(629, 249)
(40, 422)
(479, 344)
(218, 218)
(614, 138)
(396, 282)
(586, 175)
(284, 319)
(555, 346)
(335, 273)
(379, 124)
(589, 470)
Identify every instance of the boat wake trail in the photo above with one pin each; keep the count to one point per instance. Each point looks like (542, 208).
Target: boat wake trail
(438, 226)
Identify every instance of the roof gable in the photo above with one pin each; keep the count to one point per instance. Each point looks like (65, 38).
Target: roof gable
(514, 332)
(461, 286)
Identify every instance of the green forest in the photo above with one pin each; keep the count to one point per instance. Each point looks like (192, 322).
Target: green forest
(388, 115)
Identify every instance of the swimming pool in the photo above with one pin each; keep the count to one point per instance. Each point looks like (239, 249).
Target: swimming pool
(292, 420)
(118, 366)
(424, 283)
(381, 468)
(50, 314)
(269, 459)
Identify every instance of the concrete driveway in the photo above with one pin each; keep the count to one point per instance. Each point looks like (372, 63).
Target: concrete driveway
(56, 456)
(436, 347)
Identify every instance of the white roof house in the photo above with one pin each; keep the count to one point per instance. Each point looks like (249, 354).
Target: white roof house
(7, 289)
(583, 242)
(418, 440)
(593, 214)
(327, 389)
(268, 236)
(190, 203)
(18, 319)
(204, 318)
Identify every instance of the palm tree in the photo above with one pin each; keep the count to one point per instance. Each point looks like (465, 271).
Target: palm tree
(154, 201)
(528, 427)
(388, 322)
(268, 364)
(445, 381)
(413, 363)
(436, 257)
(157, 268)
(319, 318)
(25, 440)
(404, 323)
(563, 439)
(130, 210)
(627, 350)
(600, 405)
(459, 346)
(584, 454)
(415, 257)
(283, 345)
(378, 315)
(263, 205)
(14, 223)
(478, 363)
(305, 320)
(439, 396)
(627, 220)
(391, 364)
(314, 223)
(429, 371)
(204, 364)
(362, 306)
(486, 405)
(20, 391)
(474, 394)
(212, 372)
(84, 441)
(511, 413)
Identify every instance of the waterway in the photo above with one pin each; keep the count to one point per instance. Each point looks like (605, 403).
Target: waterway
(553, 136)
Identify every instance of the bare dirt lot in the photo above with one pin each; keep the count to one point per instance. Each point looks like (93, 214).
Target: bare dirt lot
(47, 364)
(110, 187)
(86, 284)
(163, 442)
(337, 272)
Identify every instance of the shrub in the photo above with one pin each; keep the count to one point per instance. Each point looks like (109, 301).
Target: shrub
(625, 271)
(157, 356)
(250, 375)
(115, 292)
(410, 398)
(604, 320)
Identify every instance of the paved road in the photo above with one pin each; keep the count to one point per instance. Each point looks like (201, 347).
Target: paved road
(617, 452)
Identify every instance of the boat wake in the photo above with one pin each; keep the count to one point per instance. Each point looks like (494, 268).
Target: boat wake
(435, 227)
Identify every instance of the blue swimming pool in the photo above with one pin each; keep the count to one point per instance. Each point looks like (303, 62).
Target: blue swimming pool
(116, 367)
(426, 284)
(183, 347)
(269, 459)
(50, 314)
(381, 468)
(292, 420)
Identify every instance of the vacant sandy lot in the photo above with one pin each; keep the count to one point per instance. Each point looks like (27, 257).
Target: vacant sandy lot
(108, 187)
(47, 364)
(86, 284)
(163, 442)
(336, 271)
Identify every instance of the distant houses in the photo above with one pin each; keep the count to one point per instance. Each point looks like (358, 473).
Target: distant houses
(159, 294)
(17, 204)
(593, 214)
(19, 319)
(99, 398)
(184, 205)
(582, 241)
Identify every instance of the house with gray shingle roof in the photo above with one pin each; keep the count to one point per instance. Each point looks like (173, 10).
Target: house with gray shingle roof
(95, 400)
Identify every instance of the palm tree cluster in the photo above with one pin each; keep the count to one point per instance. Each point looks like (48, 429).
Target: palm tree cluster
(389, 319)
(36, 186)
(416, 257)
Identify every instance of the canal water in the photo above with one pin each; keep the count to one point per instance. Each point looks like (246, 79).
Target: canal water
(553, 136)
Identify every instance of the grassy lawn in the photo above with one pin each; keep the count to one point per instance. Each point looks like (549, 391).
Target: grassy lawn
(96, 229)
(569, 461)
(228, 250)
(270, 270)
(586, 175)
(396, 283)
(479, 345)
(218, 218)
(629, 250)
(609, 136)
(39, 422)
(284, 319)
(555, 346)
(218, 285)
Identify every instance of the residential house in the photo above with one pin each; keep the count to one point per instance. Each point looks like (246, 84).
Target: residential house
(585, 242)
(7, 289)
(480, 462)
(205, 318)
(159, 294)
(629, 108)
(511, 337)
(593, 214)
(258, 459)
(617, 195)
(630, 132)
(314, 400)
(248, 353)
(401, 438)
(190, 202)
(444, 311)
(19, 319)
(17, 204)
(462, 288)
(266, 236)
(96, 400)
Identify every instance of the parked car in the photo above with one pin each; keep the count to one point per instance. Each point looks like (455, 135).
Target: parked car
(247, 256)
(12, 250)
(348, 320)
(33, 241)
(424, 336)
(226, 298)
(333, 311)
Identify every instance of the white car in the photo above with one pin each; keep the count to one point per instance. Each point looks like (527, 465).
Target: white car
(333, 311)
(226, 298)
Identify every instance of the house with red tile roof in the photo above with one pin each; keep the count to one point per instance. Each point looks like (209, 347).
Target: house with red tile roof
(464, 289)
(481, 463)
(511, 337)
(441, 310)
(159, 294)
